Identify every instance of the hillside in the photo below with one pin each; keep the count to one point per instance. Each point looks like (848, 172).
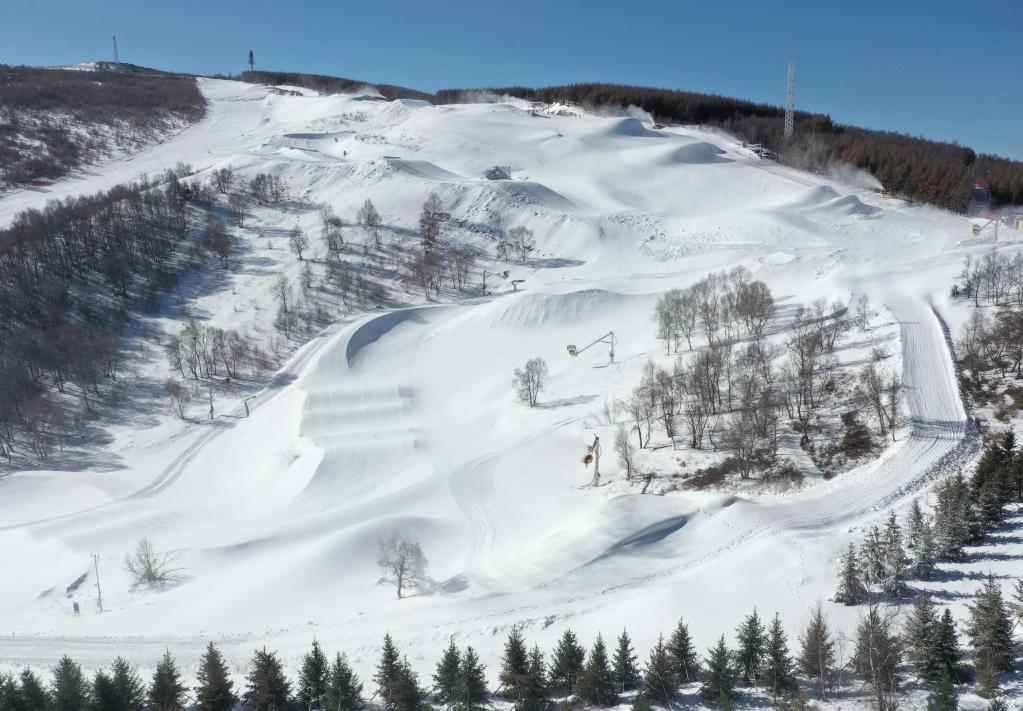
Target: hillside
(55, 121)
(384, 403)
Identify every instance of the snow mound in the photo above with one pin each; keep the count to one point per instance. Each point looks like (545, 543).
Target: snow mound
(629, 127)
(697, 154)
(533, 310)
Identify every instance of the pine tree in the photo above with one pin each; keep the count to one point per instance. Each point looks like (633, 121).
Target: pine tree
(952, 517)
(751, 638)
(626, 671)
(872, 557)
(990, 633)
(471, 692)
(944, 696)
(166, 692)
(997, 704)
(817, 651)
(686, 664)
(641, 703)
(925, 553)
(877, 656)
(566, 663)
(893, 582)
(536, 693)
(104, 693)
(514, 665)
(445, 679)
(659, 677)
(131, 692)
(778, 666)
(266, 687)
(215, 691)
(946, 652)
(919, 636)
(404, 693)
(31, 696)
(851, 590)
(1015, 604)
(312, 679)
(69, 690)
(344, 690)
(388, 670)
(718, 684)
(8, 693)
(915, 524)
(597, 682)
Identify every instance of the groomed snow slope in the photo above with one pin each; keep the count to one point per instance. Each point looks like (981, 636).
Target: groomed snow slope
(406, 420)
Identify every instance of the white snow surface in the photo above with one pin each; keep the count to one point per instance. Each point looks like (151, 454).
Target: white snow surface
(405, 419)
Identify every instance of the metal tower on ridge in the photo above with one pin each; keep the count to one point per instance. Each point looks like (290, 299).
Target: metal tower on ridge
(116, 59)
(790, 99)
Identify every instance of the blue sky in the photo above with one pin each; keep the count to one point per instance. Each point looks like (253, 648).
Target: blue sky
(939, 68)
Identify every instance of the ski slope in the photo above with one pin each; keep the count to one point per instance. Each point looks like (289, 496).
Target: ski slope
(405, 420)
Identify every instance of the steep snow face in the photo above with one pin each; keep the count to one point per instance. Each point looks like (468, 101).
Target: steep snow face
(405, 420)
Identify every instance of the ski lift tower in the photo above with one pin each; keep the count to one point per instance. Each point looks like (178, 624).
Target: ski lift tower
(608, 338)
(790, 99)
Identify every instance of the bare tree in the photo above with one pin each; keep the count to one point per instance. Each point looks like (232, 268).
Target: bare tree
(429, 221)
(402, 563)
(529, 380)
(150, 569)
(222, 179)
(520, 241)
(179, 395)
(369, 218)
(237, 204)
(297, 241)
(625, 451)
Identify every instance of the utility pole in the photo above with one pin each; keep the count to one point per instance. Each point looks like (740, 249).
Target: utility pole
(99, 590)
(790, 114)
(117, 60)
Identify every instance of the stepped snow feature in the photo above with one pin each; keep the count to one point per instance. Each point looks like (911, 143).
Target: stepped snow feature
(405, 420)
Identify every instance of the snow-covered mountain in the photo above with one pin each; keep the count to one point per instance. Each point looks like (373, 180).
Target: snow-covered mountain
(404, 419)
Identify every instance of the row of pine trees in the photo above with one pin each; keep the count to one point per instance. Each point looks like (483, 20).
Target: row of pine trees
(927, 647)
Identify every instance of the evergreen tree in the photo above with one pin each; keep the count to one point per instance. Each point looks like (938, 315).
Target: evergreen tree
(69, 690)
(597, 682)
(952, 517)
(514, 665)
(30, 694)
(872, 557)
(659, 678)
(445, 679)
(944, 697)
(751, 638)
(626, 671)
(566, 663)
(877, 657)
(851, 590)
(471, 693)
(405, 694)
(344, 690)
(778, 666)
(130, 690)
(924, 553)
(104, 693)
(166, 692)
(266, 687)
(817, 651)
(919, 637)
(997, 704)
(215, 691)
(536, 693)
(946, 653)
(388, 670)
(990, 633)
(8, 693)
(312, 679)
(915, 523)
(718, 684)
(893, 582)
(1015, 604)
(686, 664)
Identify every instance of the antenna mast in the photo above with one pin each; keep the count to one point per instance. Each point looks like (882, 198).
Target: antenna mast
(790, 99)
(252, 62)
(116, 58)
